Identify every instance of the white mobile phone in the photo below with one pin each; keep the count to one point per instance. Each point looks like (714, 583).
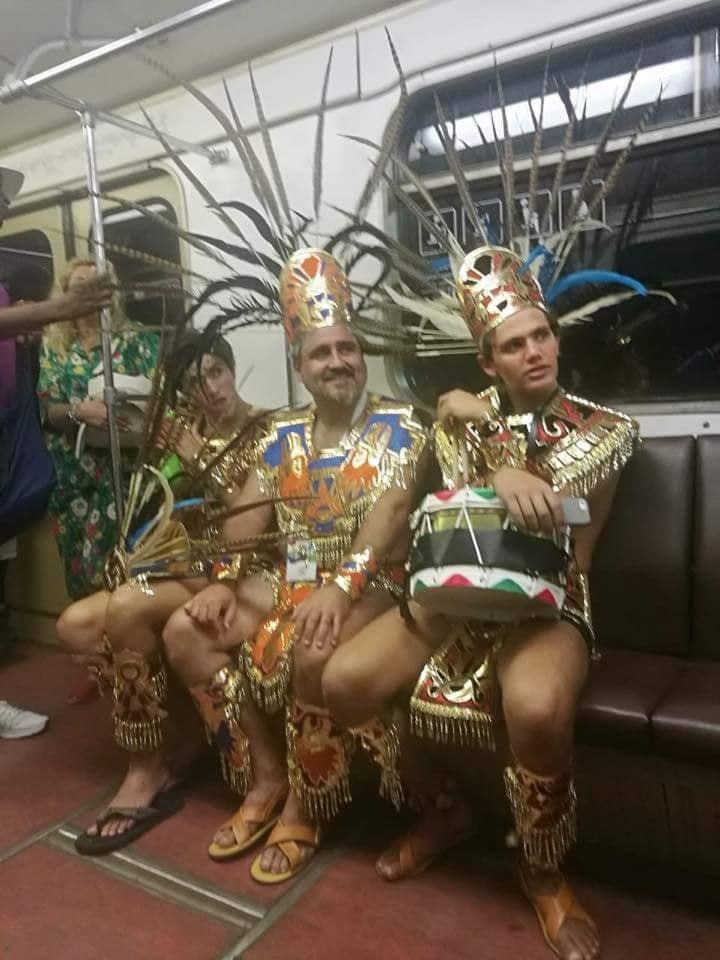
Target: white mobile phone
(576, 511)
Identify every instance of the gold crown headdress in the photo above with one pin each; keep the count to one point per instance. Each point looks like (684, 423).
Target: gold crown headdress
(492, 285)
(314, 293)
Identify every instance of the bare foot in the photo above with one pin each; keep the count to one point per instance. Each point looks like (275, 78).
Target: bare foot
(577, 937)
(439, 827)
(257, 796)
(273, 860)
(147, 775)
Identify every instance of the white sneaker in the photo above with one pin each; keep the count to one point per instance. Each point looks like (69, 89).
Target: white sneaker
(15, 723)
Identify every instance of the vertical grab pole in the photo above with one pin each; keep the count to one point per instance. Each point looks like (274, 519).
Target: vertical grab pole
(87, 121)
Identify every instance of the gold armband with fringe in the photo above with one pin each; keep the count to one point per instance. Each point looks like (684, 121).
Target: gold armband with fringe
(355, 571)
(228, 568)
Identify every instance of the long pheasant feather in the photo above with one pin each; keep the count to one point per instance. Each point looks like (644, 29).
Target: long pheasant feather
(271, 155)
(390, 138)
(447, 141)
(319, 137)
(191, 176)
(537, 150)
(259, 181)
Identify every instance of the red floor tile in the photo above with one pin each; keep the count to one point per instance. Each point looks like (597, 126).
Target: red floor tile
(47, 777)
(182, 843)
(55, 905)
(468, 908)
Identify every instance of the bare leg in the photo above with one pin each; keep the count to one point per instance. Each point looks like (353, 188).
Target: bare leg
(197, 652)
(307, 686)
(134, 621)
(542, 670)
(378, 666)
(81, 628)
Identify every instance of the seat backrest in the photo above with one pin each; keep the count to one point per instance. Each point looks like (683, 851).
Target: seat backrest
(640, 579)
(706, 572)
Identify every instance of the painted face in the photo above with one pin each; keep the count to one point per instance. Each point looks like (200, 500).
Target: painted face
(525, 355)
(332, 366)
(218, 398)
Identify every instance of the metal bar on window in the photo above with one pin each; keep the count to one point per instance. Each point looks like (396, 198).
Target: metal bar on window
(657, 135)
(697, 75)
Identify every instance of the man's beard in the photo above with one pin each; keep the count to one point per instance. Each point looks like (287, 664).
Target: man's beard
(342, 389)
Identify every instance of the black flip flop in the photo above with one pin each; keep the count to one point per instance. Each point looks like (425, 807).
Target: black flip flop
(165, 804)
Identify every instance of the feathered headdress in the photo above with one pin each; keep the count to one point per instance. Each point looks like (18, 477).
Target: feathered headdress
(272, 274)
(529, 266)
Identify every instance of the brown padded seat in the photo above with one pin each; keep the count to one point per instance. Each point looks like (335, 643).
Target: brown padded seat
(706, 577)
(640, 578)
(686, 723)
(623, 690)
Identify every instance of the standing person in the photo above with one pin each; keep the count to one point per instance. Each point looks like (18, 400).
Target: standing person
(344, 468)
(23, 317)
(533, 443)
(17, 320)
(82, 506)
(28, 284)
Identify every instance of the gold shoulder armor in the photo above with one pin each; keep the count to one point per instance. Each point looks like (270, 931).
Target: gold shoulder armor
(598, 445)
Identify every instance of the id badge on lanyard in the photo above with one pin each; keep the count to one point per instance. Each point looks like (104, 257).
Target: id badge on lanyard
(301, 561)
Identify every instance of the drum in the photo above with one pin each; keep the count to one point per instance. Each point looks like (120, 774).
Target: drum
(467, 560)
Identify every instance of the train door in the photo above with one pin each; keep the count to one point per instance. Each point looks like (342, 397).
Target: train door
(51, 235)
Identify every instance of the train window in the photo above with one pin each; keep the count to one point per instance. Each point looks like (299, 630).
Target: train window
(26, 260)
(663, 213)
(140, 233)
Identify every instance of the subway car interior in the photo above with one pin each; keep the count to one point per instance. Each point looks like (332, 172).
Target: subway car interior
(253, 178)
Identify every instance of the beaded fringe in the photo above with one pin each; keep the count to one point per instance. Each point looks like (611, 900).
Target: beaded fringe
(385, 752)
(460, 725)
(269, 693)
(594, 457)
(236, 763)
(545, 848)
(325, 802)
(238, 778)
(143, 736)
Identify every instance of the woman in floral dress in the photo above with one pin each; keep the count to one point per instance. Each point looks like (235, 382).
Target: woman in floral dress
(82, 506)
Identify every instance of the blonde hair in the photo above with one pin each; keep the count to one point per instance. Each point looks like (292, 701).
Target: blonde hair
(58, 337)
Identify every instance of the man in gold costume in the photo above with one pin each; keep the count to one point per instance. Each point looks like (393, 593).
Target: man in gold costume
(342, 472)
(534, 444)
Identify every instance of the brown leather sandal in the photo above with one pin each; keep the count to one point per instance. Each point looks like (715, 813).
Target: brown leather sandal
(264, 815)
(410, 865)
(553, 909)
(286, 837)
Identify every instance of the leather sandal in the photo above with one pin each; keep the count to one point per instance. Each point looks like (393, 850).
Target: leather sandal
(263, 815)
(286, 837)
(410, 864)
(553, 909)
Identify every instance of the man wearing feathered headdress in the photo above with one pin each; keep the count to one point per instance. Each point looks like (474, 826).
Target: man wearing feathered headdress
(347, 537)
(533, 443)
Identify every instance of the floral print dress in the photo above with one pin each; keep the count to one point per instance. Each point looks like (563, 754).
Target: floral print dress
(82, 505)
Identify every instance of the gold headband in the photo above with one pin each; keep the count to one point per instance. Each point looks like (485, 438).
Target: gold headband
(314, 293)
(492, 287)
